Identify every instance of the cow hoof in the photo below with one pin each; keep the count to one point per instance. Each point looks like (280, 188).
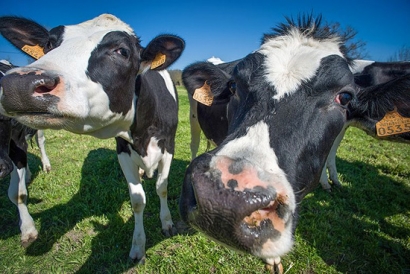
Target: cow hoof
(275, 268)
(172, 231)
(137, 261)
(26, 242)
(47, 169)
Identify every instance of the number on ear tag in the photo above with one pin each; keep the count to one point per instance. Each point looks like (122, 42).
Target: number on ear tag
(392, 123)
(158, 60)
(34, 51)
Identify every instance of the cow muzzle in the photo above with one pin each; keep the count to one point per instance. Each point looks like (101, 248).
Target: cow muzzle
(28, 92)
(235, 202)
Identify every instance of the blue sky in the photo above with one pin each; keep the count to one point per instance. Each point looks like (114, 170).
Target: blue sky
(226, 29)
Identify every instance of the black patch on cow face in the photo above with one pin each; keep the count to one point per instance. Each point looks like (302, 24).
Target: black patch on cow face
(232, 184)
(333, 74)
(236, 167)
(114, 64)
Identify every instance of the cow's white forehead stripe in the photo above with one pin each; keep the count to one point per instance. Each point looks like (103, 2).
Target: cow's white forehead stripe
(107, 22)
(293, 58)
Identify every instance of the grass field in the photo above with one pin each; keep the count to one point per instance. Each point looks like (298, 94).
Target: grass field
(83, 214)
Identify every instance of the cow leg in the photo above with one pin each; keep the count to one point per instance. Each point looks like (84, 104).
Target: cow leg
(331, 163)
(323, 178)
(41, 140)
(195, 127)
(168, 228)
(138, 201)
(274, 265)
(18, 195)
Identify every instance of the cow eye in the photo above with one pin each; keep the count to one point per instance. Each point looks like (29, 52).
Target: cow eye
(124, 52)
(343, 98)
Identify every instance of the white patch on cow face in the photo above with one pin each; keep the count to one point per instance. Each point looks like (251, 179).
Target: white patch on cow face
(359, 65)
(81, 98)
(293, 58)
(168, 82)
(255, 148)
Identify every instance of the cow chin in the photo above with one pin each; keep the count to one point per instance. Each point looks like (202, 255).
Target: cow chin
(41, 121)
(93, 127)
(239, 205)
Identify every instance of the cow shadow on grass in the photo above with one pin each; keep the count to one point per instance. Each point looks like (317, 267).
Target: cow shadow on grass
(351, 228)
(100, 213)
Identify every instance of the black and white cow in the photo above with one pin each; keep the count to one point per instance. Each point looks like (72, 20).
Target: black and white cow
(366, 74)
(13, 159)
(213, 118)
(295, 94)
(209, 94)
(95, 78)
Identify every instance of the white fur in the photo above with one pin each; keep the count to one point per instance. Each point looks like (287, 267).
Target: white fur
(41, 141)
(359, 65)
(17, 193)
(168, 82)
(194, 126)
(294, 58)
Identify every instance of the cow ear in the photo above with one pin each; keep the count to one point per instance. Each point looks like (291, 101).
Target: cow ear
(27, 35)
(161, 52)
(384, 109)
(204, 73)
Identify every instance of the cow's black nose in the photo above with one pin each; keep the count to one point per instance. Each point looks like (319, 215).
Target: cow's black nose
(28, 83)
(28, 91)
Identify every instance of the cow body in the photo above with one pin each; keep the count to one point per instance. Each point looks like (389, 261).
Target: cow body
(295, 94)
(13, 159)
(95, 78)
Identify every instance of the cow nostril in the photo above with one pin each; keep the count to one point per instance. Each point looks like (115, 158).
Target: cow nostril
(45, 85)
(42, 89)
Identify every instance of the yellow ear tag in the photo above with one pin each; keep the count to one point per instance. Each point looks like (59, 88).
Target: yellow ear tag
(204, 95)
(34, 51)
(158, 60)
(392, 123)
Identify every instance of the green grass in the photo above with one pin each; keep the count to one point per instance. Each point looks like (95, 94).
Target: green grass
(83, 214)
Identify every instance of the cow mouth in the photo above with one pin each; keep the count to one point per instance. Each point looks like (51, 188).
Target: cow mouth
(275, 212)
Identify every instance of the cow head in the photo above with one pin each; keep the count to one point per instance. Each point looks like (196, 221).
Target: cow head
(85, 81)
(211, 87)
(295, 94)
